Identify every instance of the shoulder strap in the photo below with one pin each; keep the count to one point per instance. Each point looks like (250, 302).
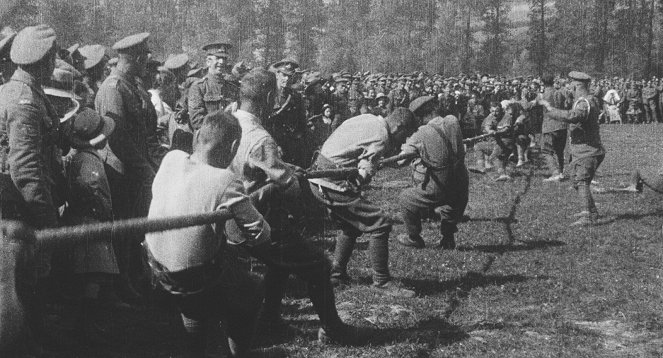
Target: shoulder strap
(446, 142)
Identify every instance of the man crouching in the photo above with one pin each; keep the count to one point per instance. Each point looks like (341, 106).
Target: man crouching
(188, 262)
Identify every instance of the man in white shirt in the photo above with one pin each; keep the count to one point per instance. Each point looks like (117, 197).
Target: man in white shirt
(188, 262)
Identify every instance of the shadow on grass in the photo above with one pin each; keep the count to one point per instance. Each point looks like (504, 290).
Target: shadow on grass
(463, 284)
(629, 216)
(433, 331)
(525, 246)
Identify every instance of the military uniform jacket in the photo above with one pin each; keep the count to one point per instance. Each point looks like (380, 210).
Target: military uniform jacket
(341, 108)
(288, 120)
(29, 138)
(441, 161)
(556, 99)
(398, 98)
(583, 121)
(209, 95)
(124, 99)
(649, 93)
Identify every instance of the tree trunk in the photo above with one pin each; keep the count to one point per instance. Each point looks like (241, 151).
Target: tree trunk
(650, 37)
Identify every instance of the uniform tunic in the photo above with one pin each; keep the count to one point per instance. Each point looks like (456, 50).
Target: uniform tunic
(287, 125)
(209, 95)
(134, 140)
(358, 143)
(584, 131)
(258, 161)
(29, 139)
(440, 176)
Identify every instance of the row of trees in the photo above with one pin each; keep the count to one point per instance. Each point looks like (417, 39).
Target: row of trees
(603, 37)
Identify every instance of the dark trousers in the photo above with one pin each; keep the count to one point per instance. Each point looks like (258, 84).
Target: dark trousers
(417, 203)
(356, 216)
(651, 112)
(234, 302)
(553, 144)
(289, 253)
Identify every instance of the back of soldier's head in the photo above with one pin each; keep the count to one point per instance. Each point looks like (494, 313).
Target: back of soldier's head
(220, 133)
(548, 80)
(256, 85)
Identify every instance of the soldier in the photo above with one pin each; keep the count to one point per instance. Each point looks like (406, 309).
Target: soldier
(287, 122)
(382, 105)
(316, 97)
(7, 67)
(355, 97)
(213, 92)
(339, 101)
(439, 173)
(398, 97)
(134, 142)
(359, 143)
(275, 191)
(554, 133)
(31, 156)
(586, 147)
(650, 99)
(634, 97)
(94, 65)
(32, 146)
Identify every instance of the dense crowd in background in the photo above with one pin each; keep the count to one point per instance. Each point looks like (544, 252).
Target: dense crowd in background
(87, 137)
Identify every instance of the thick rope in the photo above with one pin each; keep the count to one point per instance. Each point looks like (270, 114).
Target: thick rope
(138, 226)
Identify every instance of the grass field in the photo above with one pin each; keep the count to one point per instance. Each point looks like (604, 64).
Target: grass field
(520, 284)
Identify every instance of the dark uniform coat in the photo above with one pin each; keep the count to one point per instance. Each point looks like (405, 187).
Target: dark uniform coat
(29, 138)
(134, 140)
(287, 125)
(209, 95)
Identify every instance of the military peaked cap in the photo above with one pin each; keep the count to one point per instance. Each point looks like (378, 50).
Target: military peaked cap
(31, 44)
(218, 49)
(176, 62)
(133, 42)
(285, 66)
(93, 54)
(579, 76)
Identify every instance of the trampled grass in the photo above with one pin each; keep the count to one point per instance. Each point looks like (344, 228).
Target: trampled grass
(521, 283)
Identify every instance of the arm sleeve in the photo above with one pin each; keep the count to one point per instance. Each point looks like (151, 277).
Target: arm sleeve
(248, 227)
(265, 156)
(109, 102)
(196, 105)
(369, 158)
(577, 114)
(28, 166)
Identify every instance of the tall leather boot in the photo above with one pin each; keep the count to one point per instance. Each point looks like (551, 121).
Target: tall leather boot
(345, 244)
